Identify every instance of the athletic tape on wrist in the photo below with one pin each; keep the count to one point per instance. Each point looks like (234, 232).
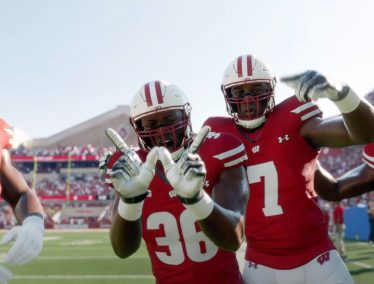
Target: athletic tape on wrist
(203, 208)
(130, 212)
(349, 103)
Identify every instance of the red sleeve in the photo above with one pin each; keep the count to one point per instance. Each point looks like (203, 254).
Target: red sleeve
(368, 155)
(222, 150)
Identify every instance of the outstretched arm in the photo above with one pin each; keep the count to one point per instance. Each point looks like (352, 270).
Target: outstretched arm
(356, 182)
(16, 191)
(28, 211)
(354, 126)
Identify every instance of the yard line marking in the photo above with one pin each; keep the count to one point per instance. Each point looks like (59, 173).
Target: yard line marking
(69, 277)
(361, 264)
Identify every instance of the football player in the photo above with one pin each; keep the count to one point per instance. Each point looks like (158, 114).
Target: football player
(356, 182)
(287, 241)
(28, 236)
(189, 206)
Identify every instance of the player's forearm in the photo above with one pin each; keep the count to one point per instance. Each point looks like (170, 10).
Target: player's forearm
(224, 228)
(360, 123)
(28, 204)
(125, 236)
(326, 185)
(356, 182)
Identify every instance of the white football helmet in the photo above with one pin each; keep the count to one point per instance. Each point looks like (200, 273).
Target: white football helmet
(247, 69)
(155, 97)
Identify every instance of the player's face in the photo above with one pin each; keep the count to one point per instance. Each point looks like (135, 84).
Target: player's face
(164, 128)
(249, 100)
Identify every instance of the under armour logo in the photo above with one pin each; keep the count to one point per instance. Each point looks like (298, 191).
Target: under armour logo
(252, 265)
(284, 138)
(323, 258)
(256, 149)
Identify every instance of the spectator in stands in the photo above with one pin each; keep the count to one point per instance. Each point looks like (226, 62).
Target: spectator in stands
(339, 228)
(28, 236)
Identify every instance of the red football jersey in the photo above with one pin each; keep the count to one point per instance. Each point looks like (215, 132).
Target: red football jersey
(178, 249)
(285, 227)
(368, 155)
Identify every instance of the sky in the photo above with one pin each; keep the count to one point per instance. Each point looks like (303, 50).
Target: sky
(64, 62)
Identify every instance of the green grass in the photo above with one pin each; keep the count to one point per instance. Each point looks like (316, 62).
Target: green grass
(87, 257)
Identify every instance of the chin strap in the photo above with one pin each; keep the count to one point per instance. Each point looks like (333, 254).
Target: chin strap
(251, 124)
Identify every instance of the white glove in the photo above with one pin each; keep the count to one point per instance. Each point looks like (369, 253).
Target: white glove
(28, 240)
(103, 161)
(131, 177)
(312, 85)
(188, 174)
(5, 275)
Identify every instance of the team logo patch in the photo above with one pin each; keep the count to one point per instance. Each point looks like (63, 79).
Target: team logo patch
(284, 138)
(256, 149)
(172, 193)
(323, 258)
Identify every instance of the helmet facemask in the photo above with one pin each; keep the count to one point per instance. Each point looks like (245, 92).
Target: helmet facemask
(249, 105)
(169, 128)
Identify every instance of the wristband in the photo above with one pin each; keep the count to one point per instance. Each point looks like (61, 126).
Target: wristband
(130, 211)
(135, 199)
(349, 103)
(203, 208)
(191, 200)
(36, 214)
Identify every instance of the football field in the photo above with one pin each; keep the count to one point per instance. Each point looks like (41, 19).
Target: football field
(86, 257)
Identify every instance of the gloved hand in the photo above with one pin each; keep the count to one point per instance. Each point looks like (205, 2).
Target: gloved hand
(188, 174)
(312, 85)
(103, 161)
(5, 275)
(131, 177)
(28, 240)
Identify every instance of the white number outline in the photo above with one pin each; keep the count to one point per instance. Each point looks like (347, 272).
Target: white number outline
(171, 239)
(270, 174)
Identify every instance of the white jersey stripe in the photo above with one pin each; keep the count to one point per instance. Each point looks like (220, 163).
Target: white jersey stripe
(303, 107)
(236, 161)
(369, 160)
(367, 157)
(230, 153)
(310, 114)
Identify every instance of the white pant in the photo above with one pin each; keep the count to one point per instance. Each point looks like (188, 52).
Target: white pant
(331, 270)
